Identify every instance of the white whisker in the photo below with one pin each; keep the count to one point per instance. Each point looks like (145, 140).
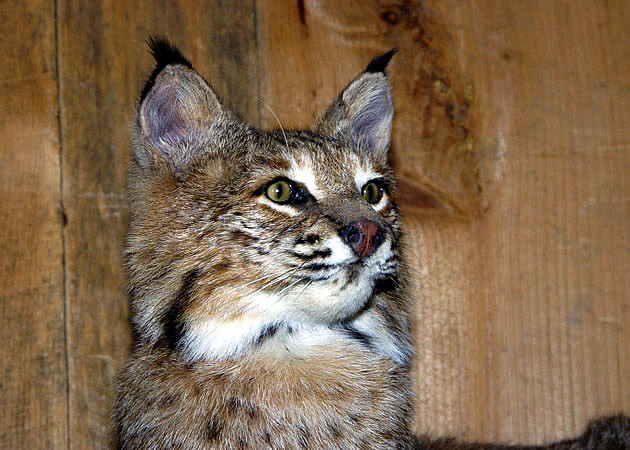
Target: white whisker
(273, 277)
(279, 294)
(277, 120)
(283, 276)
(304, 288)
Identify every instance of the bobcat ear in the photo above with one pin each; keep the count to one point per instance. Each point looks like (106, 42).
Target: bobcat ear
(364, 109)
(176, 111)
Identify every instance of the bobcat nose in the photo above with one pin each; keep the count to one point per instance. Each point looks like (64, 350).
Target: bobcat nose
(363, 236)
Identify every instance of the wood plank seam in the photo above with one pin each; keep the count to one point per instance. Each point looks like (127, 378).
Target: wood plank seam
(258, 44)
(62, 211)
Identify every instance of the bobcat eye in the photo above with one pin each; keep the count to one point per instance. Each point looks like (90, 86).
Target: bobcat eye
(279, 191)
(372, 192)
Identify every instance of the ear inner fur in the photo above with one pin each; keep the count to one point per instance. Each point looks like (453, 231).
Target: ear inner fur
(363, 112)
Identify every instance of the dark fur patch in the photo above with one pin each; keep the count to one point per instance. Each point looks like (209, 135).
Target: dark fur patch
(267, 332)
(243, 237)
(379, 63)
(355, 334)
(308, 239)
(388, 284)
(608, 432)
(221, 266)
(165, 53)
(261, 250)
(316, 254)
(334, 220)
(234, 405)
(169, 399)
(333, 428)
(318, 267)
(304, 435)
(251, 410)
(174, 326)
(213, 430)
(135, 332)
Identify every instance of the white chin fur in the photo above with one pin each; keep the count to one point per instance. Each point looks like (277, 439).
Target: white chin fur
(214, 339)
(314, 306)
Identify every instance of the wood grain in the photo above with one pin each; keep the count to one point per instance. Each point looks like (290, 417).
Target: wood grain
(557, 291)
(32, 354)
(540, 322)
(101, 74)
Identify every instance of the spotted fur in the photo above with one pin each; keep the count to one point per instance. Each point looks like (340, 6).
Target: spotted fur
(262, 321)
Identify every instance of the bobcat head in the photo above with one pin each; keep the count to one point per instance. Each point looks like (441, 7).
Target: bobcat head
(239, 235)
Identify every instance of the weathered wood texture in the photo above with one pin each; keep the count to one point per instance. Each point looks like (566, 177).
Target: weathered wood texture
(33, 409)
(509, 141)
(543, 271)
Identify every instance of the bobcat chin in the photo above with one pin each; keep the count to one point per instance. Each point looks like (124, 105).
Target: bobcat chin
(267, 294)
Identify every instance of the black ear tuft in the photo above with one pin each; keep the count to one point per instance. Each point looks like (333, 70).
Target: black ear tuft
(379, 63)
(364, 109)
(164, 53)
(175, 112)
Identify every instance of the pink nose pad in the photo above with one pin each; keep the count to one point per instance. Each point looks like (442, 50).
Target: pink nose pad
(363, 236)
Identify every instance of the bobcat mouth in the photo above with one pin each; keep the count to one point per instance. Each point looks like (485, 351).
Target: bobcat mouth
(344, 276)
(336, 257)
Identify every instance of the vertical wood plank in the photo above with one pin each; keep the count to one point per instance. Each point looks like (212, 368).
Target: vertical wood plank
(306, 57)
(547, 288)
(553, 254)
(103, 64)
(32, 355)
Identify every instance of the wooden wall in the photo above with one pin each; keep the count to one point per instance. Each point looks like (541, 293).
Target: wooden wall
(513, 153)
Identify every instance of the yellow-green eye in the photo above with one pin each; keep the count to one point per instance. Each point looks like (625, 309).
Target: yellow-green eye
(372, 192)
(279, 191)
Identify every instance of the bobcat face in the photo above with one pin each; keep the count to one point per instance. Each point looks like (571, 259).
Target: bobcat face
(319, 245)
(279, 233)
(289, 246)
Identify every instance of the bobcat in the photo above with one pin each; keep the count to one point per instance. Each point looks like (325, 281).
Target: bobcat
(268, 298)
